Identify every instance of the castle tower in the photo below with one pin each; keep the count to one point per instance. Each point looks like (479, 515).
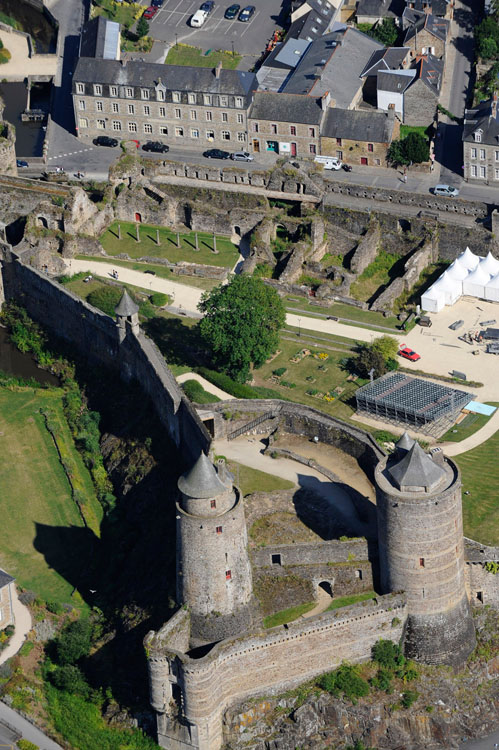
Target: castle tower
(420, 538)
(127, 314)
(213, 567)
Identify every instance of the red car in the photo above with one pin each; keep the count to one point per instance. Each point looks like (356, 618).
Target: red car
(407, 353)
(149, 13)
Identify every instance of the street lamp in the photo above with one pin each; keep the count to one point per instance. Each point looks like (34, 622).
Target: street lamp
(233, 53)
(299, 326)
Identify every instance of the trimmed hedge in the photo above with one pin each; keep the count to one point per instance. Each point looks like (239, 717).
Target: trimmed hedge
(196, 393)
(238, 390)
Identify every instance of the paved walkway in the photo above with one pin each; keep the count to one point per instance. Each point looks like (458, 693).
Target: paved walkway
(479, 437)
(21, 65)
(22, 619)
(24, 727)
(205, 383)
(323, 602)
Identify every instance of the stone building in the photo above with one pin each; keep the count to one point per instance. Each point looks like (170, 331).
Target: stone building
(422, 95)
(285, 123)
(376, 11)
(185, 106)
(359, 137)
(421, 551)
(428, 35)
(6, 611)
(481, 143)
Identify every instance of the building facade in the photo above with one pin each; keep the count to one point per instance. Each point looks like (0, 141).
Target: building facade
(358, 137)
(481, 143)
(6, 591)
(185, 106)
(286, 124)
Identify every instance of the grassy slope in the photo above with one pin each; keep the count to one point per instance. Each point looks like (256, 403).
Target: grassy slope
(470, 424)
(184, 54)
(480, 476)
(252, 480)
(38, 514)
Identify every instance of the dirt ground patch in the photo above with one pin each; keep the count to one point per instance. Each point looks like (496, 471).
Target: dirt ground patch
(281, 528)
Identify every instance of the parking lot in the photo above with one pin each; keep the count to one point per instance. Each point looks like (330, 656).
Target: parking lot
(171, 24)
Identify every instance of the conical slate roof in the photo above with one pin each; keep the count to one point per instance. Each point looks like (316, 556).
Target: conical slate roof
(126, 306)
(405, 443)
(201, 481)
(416, 469)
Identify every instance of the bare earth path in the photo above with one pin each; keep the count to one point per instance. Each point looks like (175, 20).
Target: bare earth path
(22, 619)
(323, 602)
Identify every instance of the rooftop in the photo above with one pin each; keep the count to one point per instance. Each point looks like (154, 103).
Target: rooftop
(5, 579)
(358, 125)
(416, 470)
(484, 121)
(126, 306)
(100, 37)
(380, 8)
(396, 81)
(201, 481)
(438, 27)
(292, 108)
(385, 59)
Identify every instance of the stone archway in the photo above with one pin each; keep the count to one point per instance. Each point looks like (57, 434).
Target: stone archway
(327, 587)
(237, 230)
(42, 222)
(138, 217)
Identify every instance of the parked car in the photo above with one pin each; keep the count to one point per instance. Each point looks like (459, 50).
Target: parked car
(407, 353)
(232, 11)
(149, 13)
(241, 156)
(199, 18)
(346, 167)
(208, 6)
(329, 162)
(105, 140)
(446, 190)
(247, 13)
(20, 164)
(156, 147)
(216, 153)
(156, 3)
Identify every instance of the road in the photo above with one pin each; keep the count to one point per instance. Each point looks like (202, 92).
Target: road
(25, 728)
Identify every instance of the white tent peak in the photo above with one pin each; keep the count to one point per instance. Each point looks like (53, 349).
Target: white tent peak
(490, 264)
(469, 259)
(494, 282)
(479, 275)
(457, 270)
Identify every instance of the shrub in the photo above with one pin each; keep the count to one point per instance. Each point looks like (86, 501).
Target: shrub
(388, 654)
(26, 745)
(238, 390)
(70, 679)
(345, 680)
(73, 642)
(383, 680)
(196, 393)
(280, 371)
(105, 298)
(54, 607)
(409, 697)
(158, 299)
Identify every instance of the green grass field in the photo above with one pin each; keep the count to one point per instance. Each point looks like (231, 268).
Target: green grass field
(377, 274)
(226, 255)
(470, 424)
(406, 129)
(185, 54)
(345, 601)
(287, 615)
(123, 13)
(353, 315)
(252, 480)
(44, 543)
(480, 477)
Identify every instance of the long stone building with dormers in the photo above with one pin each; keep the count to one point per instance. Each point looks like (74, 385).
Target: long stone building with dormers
(189, 106)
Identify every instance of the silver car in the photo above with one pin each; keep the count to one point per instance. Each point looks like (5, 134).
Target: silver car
(241, 156)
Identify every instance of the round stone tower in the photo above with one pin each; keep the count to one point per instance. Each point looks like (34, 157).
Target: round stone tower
(420, 538)
(213, 567)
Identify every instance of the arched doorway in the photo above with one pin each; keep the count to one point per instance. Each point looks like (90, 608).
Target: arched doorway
(237, 230)
(326, 586)
(138, 217)
(42, 222)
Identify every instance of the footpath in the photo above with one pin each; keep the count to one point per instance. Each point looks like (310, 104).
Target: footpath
(22, 619)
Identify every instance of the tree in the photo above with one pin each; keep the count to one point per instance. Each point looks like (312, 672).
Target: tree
(241, 324)
(70, 679)
(387, 346)
(416, 148)
(370, 359)
(486, 48)
(142, 27)
(73, 642)
(396, 154)
(385, 32)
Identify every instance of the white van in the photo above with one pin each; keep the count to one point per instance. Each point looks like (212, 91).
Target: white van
(329, 162)
(199, 18)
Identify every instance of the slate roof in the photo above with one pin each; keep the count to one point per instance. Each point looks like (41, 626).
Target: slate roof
(126, 306)
(174, 77)
(482, 119)
(380, 8)
(357, 125)
(385, 59)
(438, 27)
(430, 70)
(5, 579)
(410, 17)
(333, 64)
(416, 469)
(100, 38)
(405, 443)
(286, 108)
(438, 7)
(201, 481)
(396, 81)
(314, 24)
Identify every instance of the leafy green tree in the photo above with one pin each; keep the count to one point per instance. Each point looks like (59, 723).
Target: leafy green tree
(369, 359)
(409, 697)
(142, 27)
(70, 679)
(396, 154)
(385, 32)
(416, 148)
(388, 654)
(387, 346)
(241, 324)
(345, 680)
(73, 642)
(486, 48)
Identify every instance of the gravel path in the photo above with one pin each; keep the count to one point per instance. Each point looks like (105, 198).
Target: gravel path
(22, 619)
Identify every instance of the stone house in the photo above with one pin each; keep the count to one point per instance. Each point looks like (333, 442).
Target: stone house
(391, 87)
(285, 123)
(6, 611)
(421, 97)
(375, 11)
(393, 58)
(359, 137)
(481, 143)
(440, 8)
(185, 106)
(427, 36)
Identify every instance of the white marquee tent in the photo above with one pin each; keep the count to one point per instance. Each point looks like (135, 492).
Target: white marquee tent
(492, 289)
(469, 260)
(469, 274)
(433, 300)
(451, 288)
(489, 264)
(475, 283)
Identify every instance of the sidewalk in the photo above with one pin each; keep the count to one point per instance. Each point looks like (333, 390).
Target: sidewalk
(22, 619)
(21, 65)
(28, 730)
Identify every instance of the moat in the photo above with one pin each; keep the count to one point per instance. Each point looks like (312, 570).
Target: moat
(14, 362)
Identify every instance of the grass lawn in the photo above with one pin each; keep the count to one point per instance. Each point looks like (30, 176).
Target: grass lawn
(226, 255)
(470, 424)
(185, 54)
(480, 477)
(345, 601)
(348, 314)
(123, 13)
(161, 271)
(406, 129)
(44, 543)
(287, 615)
(377, 274)
(252, 480)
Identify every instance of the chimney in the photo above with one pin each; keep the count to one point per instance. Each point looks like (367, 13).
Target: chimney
(391, 111)
(222, 470)
(123, 61)
(494, 105)
(218, 69)
(438, 456)
(325, 101)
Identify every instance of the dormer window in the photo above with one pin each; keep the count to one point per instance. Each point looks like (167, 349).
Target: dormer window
(97, 89)
(144, 93)
(80, 88)
(478, 136)
(113, 90)
(129, 92)
(191, 98)
(176, 96)
(160, 95)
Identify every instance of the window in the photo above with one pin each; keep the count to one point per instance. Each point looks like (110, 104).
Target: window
(113, 90)
(276, 559)
(255, 127)
(160, 95)
(101, 124)
(193, 114)
(273, 129)
(163, 130)
(176, 96)
(194, 133)
(238, 101)
(225, 117)
(147, 110)
(311, 132)
(228, 575)
(312, 148)
(370, 147)
(80, 88)
(473, 153)
(223, 101)
(225, 135)
(474, 170)
(358, 574)
(219, 529)
(213, 503)
(338, 142)
(98, 106)
(191, 98)
(115, 107)
(207, 100)
(496, 174)
(482, 153)
(178, 114)
(116, 125)
(421, 562)
(147, 128)
(131, 109)
(483, 173)
(478, 136)
(292, 129)
(97, 89)
(179, 132)
(144, 93)
(209, 116)
(241, 137)
(339, 154)
(81, 104)
(129, 92)
(496, 155)
(132, 127)
(162, 111)
(240, 118)
(210, 135)
(83, 122)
